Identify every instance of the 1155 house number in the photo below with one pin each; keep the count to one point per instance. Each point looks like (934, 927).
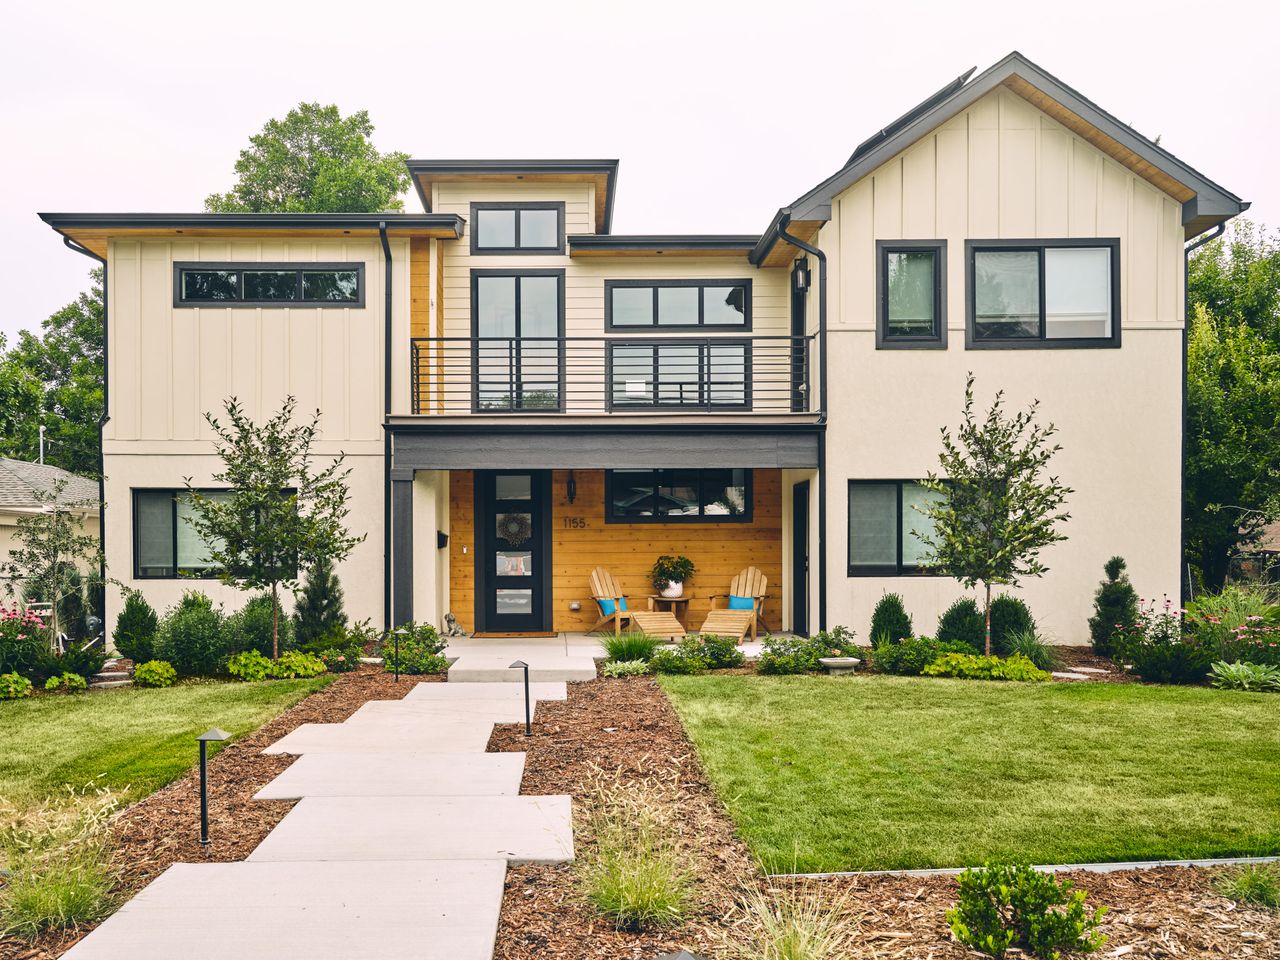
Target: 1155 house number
(575, 523)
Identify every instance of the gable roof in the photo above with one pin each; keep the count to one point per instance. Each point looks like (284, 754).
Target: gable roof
(19, 481)
(1204, 203)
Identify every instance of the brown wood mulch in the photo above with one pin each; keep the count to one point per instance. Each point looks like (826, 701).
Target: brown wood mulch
(164, 828)
(628, 727)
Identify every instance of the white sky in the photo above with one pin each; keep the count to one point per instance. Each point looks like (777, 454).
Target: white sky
(123, 106)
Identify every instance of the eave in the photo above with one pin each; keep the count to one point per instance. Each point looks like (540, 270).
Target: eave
(728, 246)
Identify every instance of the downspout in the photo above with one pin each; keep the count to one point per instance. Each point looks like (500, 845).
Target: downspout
(102, 427)
(386, 435)
(822, 410)
(1184, 577)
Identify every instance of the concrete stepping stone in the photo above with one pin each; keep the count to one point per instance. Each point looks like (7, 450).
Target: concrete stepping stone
(397, 775)
(1070, 675)
(444, 910)
(386, 735)
(475, 668)
(451, 692)
(506, 710)
(516, 829)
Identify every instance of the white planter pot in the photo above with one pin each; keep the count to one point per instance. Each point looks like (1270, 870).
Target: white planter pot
(673, 591)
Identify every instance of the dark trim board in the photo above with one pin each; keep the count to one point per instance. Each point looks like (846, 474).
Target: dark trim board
(293, 221)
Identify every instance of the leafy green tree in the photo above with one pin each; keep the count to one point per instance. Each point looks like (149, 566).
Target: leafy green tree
(318, 615)
(994, 511)
(1232, 441)
(20, 397)
(314, 161)
(283, 509)
(1237, 278)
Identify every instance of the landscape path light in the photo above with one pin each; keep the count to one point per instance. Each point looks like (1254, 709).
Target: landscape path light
(528, 710)
(209, 736)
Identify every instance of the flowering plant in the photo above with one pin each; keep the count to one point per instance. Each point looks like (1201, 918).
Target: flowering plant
(24, 641)
(1159, 649)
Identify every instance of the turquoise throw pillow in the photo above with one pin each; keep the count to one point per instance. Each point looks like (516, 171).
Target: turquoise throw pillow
(607, 607)
(622, 603)
(742, 603)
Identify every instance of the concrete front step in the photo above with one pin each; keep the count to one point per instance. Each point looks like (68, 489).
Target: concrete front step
(443, 910)
(516, 829)
(454, 692)
(427, 712)
(97, 684)
(398, 775)
(112, 675)
(387, 735)
(478, 668)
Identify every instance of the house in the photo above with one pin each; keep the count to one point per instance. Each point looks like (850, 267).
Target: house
(27, 488)
(523, 394)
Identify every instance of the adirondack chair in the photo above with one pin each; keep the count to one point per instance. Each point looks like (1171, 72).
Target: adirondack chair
(605, 587)
(729, 623)
(749, 583)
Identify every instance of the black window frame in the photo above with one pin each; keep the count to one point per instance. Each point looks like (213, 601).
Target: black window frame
(209, 573)
(937, 339)
(704, 347)
(701, 283)
(243, 266)
(744, 517)
(517, 250)
(973, 342)
(898, 569)
(517, 273)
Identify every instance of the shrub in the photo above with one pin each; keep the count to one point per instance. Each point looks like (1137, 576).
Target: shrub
(1026, 643)
(1011, 905)
(962, 622)
(793, 925)
(14, 686)
(1245, 676)
(249, 666)
(630, 646)
(1009, 615)
(790, 655)
(838, 642)
(908, 658)
(682, 660)
(135, 633)
(250, 628)
(192, 637)
(318, 613)
(1240, 623)
(293, 664)
(364, 637)
(340, 659)
(420, 650)
(24, 644)
(154, 673)
(67, 683)
(624, 668)
(1158, 650)
(719, 652)
(971, 667)
(890, 620)
(1257, 884)
(83, 659)
(1115, 607)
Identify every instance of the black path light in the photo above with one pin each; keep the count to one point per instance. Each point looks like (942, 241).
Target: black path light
(528, 710)
(398, 633)
(209, 736)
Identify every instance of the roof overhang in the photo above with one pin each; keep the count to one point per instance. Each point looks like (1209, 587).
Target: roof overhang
(772, 251)
(730, 246)
(602, 173)
(93, 230)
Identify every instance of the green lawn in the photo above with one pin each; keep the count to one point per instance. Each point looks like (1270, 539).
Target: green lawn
(825, 774)
(136, 740)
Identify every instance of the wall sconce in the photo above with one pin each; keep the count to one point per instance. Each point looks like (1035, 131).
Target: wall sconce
(800, 276)
(571, 489)
(442, 539)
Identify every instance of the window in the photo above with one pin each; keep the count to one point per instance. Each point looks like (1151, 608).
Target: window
(678, 496)
(518, 322)
(268, 284)
(710, 304)
(886, 519)
(165, 545)
(498, 228)
(911, 284)
(1057, 293)
(674, 373)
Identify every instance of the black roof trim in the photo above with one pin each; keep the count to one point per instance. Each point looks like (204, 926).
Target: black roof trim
(907, 118)
(310, 221)
(653, 241)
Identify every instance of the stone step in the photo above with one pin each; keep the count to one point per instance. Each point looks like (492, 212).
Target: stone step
(454, 692)
(386, 735)
(473, 668)
(97, 684)
(442, 910)
(516, 829)
(396, 775)
(428, 712)
(112, 675)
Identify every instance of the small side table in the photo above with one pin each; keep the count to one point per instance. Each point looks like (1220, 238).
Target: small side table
(677, 605)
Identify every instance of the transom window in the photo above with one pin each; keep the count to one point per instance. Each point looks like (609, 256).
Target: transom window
(721, 304)
(269, 284)
(517, 228)
(678, 496)
(912, 303)
(679, 374)
(1051, 293)
(886, 520)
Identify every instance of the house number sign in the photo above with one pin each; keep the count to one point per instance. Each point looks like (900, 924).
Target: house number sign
(575, 523)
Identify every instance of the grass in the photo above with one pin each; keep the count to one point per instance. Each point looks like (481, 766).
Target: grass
(625, 647)
(827, 774)
(1257, 884)
(781, 924)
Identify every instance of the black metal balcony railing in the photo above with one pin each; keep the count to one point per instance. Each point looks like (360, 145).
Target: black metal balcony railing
(586, 375)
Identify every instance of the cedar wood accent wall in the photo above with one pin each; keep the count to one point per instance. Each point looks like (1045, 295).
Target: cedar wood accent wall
(720, 550)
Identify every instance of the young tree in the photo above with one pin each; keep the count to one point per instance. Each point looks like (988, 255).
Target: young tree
(318, 614)
(994, 511)
(282, 510)
(314, 161)
(50, 550)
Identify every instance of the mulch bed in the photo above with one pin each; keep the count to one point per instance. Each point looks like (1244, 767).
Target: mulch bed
(164, 828)
(628, 726)
(1073, 658)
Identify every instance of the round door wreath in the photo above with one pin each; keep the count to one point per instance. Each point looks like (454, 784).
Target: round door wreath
(515, 528)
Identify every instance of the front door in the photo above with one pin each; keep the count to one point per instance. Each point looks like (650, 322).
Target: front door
(513, 557)
(800, 558)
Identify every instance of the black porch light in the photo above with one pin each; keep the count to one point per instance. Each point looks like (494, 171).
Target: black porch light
(528, 710)
(571, 488)
(800, 276)
(209, 736)
(398, 633)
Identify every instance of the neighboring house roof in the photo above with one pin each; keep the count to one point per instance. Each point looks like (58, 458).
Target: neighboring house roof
(20, 481)
(1269, 542)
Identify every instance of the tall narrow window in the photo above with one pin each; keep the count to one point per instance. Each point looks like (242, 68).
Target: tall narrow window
(517, 321)
(911, 301)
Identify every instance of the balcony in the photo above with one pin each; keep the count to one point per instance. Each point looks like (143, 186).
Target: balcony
(637, 375)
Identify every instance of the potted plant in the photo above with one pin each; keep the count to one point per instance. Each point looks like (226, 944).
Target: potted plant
(669, 574)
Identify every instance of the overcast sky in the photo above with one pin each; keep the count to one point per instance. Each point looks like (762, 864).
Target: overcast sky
(719, 112)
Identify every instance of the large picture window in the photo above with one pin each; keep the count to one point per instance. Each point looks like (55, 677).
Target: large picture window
(1053, 293)
(911, 284)
(678, 496)
(165, 545)
(671, 304)
(268, 284)
(674, 373)
(517, 228)
(886, 524)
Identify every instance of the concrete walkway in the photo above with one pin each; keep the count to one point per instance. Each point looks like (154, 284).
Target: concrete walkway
(399, 842)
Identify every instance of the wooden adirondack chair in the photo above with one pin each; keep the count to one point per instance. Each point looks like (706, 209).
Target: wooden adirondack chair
(749, 583)
(605, 587)
(729, 623)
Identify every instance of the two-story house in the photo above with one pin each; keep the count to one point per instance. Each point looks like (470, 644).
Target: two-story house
(524, 395)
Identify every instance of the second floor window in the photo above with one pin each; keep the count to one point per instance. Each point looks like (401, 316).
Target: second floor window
(518, 322)
(912, 298)
(669, 304)
(498, 228)
(269, 284)
(672, 373)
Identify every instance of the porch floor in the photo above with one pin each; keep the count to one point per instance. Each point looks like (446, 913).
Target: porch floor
(567, 645)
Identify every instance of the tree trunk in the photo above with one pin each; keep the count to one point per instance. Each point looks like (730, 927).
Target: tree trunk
(988, 618)
(275, 624)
